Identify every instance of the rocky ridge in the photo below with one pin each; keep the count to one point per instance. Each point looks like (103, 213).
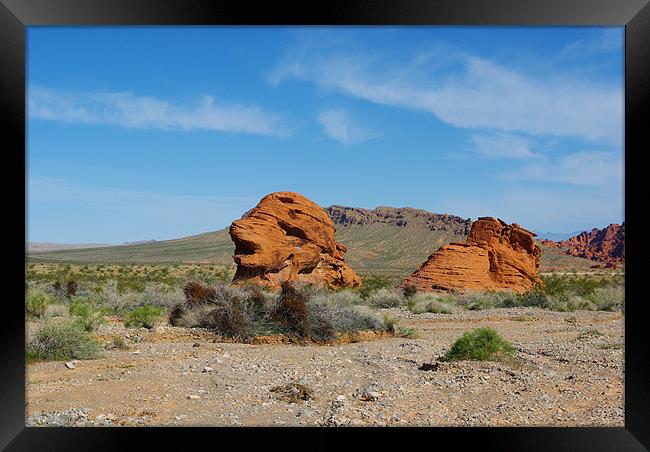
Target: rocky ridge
(605, 245)
(405, 217)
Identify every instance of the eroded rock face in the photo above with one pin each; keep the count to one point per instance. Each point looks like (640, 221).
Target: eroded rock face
(605, 245)
(287, 237)
(495, 257)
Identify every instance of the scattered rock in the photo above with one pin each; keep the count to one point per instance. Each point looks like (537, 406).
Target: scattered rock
(369, 396)
(70, 365)
(193, 397)
(207, 369)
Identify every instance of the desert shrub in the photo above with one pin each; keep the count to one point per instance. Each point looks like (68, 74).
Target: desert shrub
(159, 294)
(143, 316)
(372, 283)
(71, 288)
(536, 298)
(405, 332)
(326, 320)
(581, 303)
(229, 319)
(225, 309)
(409, 290)
(346, 297)
(197, 293)
(117, 342)
(86, 314)
(482, 344)
(56, 310)
(111, 297)
(36, 303)
(386, 298)
(389, 323)
(503, 299)
(608, 298)
(291, 310)
(258, 300)
(62, 341)
(428, 304)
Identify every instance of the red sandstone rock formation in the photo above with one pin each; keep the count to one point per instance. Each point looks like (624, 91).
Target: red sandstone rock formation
(286, 237)
(603, 245)
(495, 257)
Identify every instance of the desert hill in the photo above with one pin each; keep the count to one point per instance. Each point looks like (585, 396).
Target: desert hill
(47, 246)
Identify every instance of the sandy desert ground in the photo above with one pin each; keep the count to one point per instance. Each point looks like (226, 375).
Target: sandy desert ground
(569, 371)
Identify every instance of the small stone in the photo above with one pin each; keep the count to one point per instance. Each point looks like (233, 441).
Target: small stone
(369, 396)
(70, 365)
(340, 397)
(137, 352)
(207, 369)
(193, 397)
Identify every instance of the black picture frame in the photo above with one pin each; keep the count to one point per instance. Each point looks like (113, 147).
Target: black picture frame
(16, 15)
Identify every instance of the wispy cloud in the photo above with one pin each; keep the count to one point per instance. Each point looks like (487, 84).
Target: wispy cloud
(502, 145)
(591, 169)
(338, 125)
(608, 40)
(130, 110)
(468, 92)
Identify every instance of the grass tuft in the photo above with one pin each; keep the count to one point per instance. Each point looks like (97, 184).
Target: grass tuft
(482, 344)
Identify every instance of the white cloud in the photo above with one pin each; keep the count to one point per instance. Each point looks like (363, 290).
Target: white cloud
(594, 169)
(609, 40)
(470, 92)
(142, 112)
(338, 125)
(502, 145)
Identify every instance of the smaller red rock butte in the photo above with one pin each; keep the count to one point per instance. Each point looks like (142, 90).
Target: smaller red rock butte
(495, 257)
(287, 237)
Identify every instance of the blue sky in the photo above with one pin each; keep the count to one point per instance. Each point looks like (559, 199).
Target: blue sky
(161, 132)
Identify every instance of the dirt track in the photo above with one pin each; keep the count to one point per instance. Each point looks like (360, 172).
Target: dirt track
(569, 372)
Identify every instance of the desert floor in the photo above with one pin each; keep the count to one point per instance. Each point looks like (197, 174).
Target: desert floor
(569, 371)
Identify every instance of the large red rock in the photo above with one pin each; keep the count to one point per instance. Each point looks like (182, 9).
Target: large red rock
(605, 245)
(495, 257)
(287, 237)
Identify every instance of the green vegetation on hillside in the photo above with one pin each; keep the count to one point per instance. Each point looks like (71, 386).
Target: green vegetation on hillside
(211, 247)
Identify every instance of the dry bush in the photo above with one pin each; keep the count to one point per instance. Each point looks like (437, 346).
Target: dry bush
(291, 309)
(196, 293)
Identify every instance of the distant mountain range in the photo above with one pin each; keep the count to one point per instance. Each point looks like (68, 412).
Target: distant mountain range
(48, 246)
(387, 241)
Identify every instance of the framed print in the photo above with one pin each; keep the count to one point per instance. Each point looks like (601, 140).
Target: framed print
(355, 216)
